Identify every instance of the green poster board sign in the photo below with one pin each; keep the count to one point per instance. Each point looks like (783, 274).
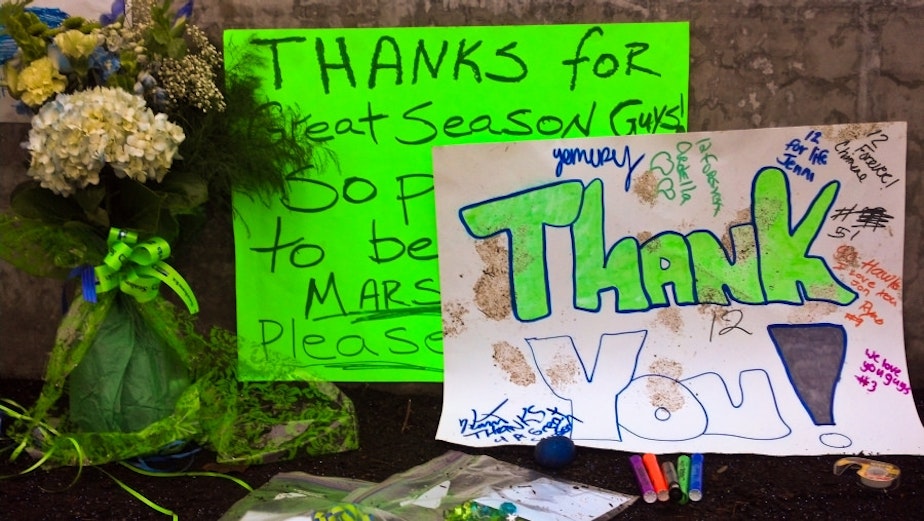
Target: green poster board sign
(340, 281)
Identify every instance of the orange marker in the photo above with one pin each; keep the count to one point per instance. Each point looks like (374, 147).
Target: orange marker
(657, 478)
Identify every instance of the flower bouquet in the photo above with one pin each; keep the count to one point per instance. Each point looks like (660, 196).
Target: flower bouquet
(137, 133)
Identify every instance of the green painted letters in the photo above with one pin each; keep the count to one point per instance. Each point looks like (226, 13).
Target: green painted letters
(770, 260)
(524, 216)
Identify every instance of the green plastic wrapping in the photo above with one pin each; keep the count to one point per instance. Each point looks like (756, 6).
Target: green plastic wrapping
(139, 378)
(129, 378)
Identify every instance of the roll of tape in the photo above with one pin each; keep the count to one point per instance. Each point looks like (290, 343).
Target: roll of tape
(874, 474)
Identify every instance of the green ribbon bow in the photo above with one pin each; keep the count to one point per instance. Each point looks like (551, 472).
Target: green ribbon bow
(138, 269)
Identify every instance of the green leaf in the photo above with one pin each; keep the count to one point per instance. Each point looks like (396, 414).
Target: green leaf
(184, 191)
(135, 206)
(138, 207)
(176, 48)
(45, 249)
(168, 228)
(91, 201)
(90, 198)
(160, 35)
(30, 200)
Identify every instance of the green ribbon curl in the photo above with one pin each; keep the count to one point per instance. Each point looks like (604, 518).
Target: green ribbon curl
(138, 269)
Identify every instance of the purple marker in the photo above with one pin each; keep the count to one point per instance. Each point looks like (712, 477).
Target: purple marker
(641, 476)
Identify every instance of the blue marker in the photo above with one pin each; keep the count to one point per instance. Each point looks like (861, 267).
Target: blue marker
(696, 477)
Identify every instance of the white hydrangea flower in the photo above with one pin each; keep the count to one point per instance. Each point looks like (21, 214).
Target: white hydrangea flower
(75, 135)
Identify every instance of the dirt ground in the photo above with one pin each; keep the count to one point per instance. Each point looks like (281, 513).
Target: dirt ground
(739, 486)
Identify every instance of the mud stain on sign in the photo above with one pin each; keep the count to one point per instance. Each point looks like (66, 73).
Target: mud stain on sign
(848, 255)
(492, 290)
(665, 392)
(454, 319)
(812, 311)
(742, 216)
(670, 318)
(645, 188)
(841, 133)
(708, 309)
(562, 372)
(511, 360)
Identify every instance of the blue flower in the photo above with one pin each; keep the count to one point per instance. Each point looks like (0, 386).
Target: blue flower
(105, 63)
(157, 99)
(22, 109)
(147, 81)
(58, 58)
(185, 10)
(116, 10)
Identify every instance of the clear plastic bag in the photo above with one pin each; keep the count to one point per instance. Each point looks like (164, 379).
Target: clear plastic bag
(410, 495)
(296, 495)
(428, 491)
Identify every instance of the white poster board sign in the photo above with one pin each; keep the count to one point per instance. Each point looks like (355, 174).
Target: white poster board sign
(730, 292)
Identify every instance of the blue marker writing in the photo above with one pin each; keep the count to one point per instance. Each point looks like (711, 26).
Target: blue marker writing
(696, 477)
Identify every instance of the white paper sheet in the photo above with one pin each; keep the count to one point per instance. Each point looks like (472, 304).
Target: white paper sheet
(759, 304)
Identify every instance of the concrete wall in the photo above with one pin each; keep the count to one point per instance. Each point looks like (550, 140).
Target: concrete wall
(753, 64)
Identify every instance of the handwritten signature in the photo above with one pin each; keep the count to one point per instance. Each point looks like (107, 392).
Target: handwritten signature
(596, 157)
(530, 423)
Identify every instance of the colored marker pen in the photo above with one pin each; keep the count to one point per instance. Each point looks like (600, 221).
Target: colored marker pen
(673, 484)
(654, 473)
(696, 477)
(683, 474)
(648, 493)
